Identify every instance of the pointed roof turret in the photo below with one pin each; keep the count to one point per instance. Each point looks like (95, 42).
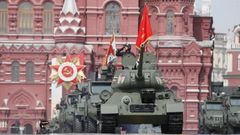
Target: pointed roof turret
(70, 6)
(70, 21)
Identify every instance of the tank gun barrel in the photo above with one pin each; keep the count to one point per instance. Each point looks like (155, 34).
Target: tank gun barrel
(140, 64)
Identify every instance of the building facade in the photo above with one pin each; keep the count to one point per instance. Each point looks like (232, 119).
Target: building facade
(32, 32)
(219, 57)
(232, 76)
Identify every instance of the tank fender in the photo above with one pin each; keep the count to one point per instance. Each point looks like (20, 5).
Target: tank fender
(109, 109)
(175, 107)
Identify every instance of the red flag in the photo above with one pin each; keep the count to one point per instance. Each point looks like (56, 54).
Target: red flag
(111, 51)
(145, 30)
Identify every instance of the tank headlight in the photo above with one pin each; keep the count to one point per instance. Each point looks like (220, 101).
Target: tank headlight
(126, 100)
(105, 95)
(167, 95)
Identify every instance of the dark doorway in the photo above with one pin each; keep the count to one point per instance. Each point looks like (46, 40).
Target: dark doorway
(28, 129)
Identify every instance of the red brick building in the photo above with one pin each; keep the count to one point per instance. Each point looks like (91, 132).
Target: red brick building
(32, 32)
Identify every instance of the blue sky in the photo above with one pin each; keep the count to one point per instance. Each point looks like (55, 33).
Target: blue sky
(226, 14)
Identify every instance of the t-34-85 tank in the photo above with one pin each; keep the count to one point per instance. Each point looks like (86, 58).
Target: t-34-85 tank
(139, 97)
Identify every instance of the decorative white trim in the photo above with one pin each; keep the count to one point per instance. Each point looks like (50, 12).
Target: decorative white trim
(190, 100)
(123, 8)
(192, 63)
(191, 129)
(192, 90)
(39, 63)
(20, 105)
(192, 85)
(129, 13)
(107, 43)
(169, 63)
(204, 91)
(42, 42)
(37, 81)
(8, 80)
(192, 116)
(5, 63)
(192, 121)
(4, 108)
(109, 36)
(40, 108)
(94, 12)
(206, 43)
(172, 38)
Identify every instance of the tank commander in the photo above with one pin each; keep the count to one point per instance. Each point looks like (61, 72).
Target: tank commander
(126, 49)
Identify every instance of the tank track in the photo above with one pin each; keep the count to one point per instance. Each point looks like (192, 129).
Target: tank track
(109, 123)
(174, 126)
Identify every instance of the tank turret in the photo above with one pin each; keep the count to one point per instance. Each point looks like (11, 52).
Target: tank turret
(138, 74)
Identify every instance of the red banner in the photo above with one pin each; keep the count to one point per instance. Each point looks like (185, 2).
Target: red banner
(145, 30)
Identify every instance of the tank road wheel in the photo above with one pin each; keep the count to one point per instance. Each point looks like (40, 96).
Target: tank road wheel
(90, 126)
(77, 128)
(174, 126)
(109, 123)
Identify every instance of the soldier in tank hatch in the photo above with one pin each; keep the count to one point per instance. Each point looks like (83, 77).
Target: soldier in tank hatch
(126, 49)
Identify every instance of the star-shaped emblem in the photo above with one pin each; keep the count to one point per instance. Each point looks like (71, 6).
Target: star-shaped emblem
(67, 72)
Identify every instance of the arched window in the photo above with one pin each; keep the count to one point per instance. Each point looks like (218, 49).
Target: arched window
(3, 17)
(238, 38)
(15, 71)
(30, 71)
(239, 62)
(48, 18)
(28, 129)
(174, 90)
(170, 19)
(112, 20)
(25, 18)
